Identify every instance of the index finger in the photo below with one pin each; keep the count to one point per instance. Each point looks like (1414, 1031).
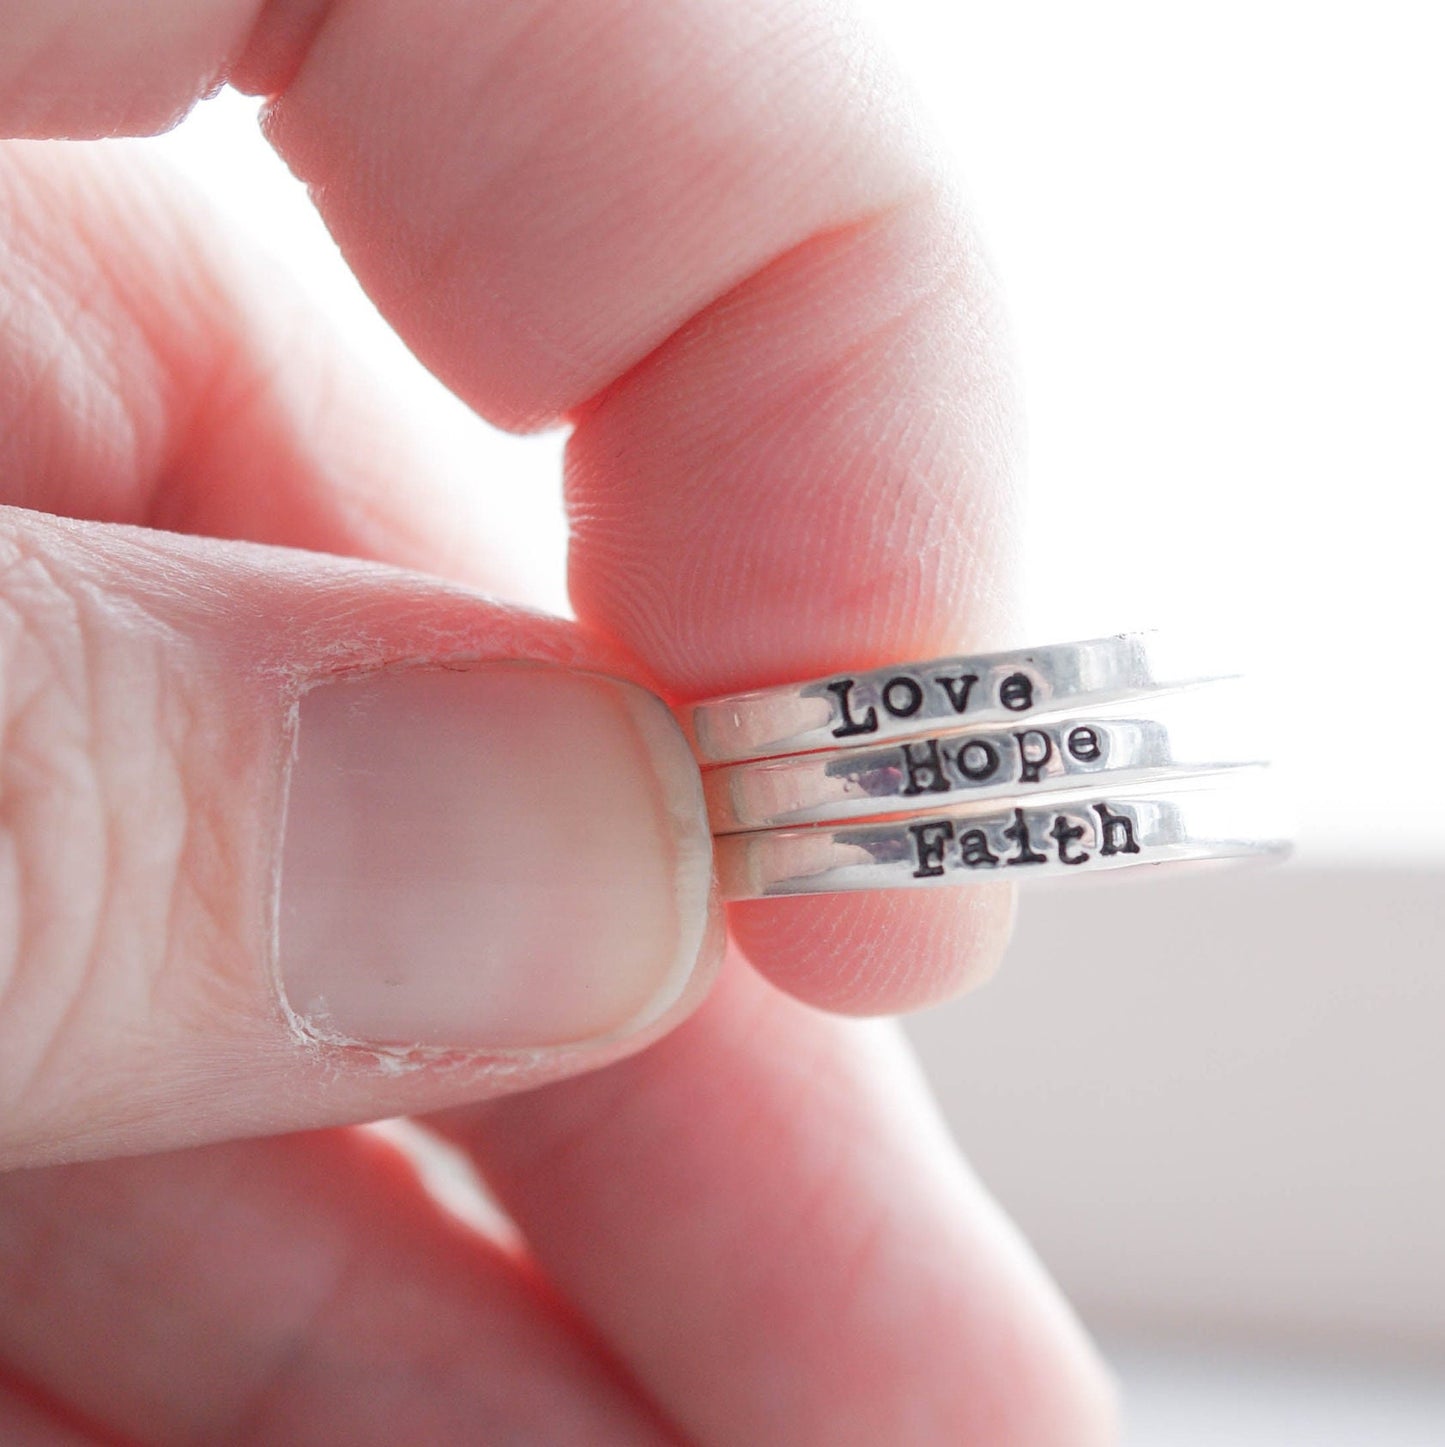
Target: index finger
(712, 236)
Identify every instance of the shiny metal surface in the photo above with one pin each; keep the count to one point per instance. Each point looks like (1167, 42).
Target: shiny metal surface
(1210, 728)
(1074, 832)
(910, 700)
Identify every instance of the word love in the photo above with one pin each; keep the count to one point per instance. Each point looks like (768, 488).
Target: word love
(905, 694)
(935, 766)
(940, 844)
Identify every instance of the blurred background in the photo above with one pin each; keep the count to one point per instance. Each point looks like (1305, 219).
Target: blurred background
(1214, 1104)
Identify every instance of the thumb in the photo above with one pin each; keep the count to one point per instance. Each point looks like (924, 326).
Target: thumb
(287, 841)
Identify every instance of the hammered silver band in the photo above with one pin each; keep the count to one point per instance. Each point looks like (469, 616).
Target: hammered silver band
(1203, 730)
(1073, 833)
(910, 699)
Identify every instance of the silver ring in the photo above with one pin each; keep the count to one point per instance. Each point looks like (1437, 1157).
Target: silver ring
(1204, 730)
(1075, 833)
(912, 699)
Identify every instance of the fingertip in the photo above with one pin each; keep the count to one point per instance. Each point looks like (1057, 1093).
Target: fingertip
(877, 952)
(73, 69)
(369, 859)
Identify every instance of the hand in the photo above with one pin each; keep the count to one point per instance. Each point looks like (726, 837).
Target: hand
(710, 237)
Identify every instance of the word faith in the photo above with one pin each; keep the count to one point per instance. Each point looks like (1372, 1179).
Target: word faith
(939, 844)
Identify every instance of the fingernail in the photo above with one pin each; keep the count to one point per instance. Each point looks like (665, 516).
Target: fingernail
(509, 855)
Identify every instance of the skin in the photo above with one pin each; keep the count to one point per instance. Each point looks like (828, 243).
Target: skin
(713, 239)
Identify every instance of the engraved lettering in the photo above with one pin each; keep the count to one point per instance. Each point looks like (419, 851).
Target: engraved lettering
(1066, 833)
(928, 842)
(1083, 743)
(977, 760)
(973, 845)
(923, 764)
(1036, 748)
(1018, 833)
(1116, 831)
(902, 696)
(957, 689)
(1016, 693)
(869, 722)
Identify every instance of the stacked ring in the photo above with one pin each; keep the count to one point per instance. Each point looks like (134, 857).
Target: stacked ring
(1054, 761)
